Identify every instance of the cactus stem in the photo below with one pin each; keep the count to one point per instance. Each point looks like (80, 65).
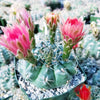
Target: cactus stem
(66, 51)
(48, 58)
(31, 35)
(30, 58)
(52, 36)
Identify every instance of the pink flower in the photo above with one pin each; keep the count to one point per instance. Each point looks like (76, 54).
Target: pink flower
(52, 19)
(72, 29)
(75, 46)
(23, 15)
(16, 38)
(84, 93)
(51, 16)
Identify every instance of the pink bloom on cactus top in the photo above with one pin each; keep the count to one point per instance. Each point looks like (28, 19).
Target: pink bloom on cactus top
(72, 29)
(23, 15)
(52, 17)
(75, 46)
(16, 38)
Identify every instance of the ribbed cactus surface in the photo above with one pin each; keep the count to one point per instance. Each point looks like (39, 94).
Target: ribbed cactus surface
(5, 56)
(51, 71)
(5, 78)
(96, 78)
(91, 45)
(7, 73)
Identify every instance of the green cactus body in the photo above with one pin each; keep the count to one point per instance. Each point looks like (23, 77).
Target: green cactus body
(5, 56)
(96, 78)
(5, 79)
(51, 71)
(91, 45)
(47, 77)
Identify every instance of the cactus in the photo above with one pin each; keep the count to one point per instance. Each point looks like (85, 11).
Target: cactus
(43, 65)
(7, 77)
(95, 92)
(5, 56)
(50, 71)
(91, 45)
(96, 78)
(90, 67)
